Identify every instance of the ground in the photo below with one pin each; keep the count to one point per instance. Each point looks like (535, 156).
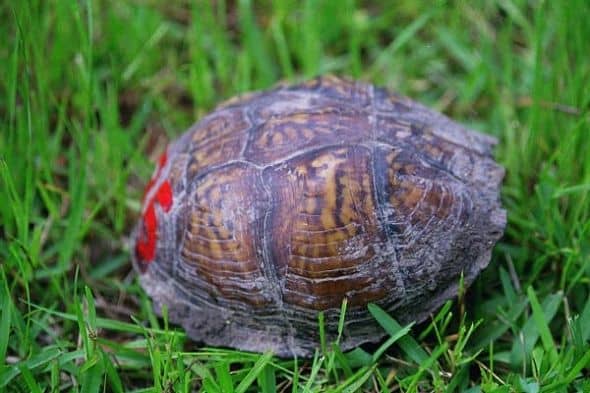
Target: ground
(91, 91)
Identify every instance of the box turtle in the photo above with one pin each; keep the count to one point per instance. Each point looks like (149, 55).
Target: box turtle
(282, 203)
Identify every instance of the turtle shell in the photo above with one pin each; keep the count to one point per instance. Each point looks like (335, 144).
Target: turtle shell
(281, 204)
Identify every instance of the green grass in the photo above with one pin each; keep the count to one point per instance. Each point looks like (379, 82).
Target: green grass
(91, 91)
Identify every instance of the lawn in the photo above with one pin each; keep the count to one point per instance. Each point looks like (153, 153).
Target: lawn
(92, 91)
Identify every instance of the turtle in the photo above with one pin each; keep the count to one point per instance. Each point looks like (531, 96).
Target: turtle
(280, 205)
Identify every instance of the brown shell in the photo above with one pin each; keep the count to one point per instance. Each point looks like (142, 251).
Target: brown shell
(286, 202)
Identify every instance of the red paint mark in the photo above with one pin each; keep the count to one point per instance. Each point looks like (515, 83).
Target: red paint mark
(162, 160)
(164, 196)
(161, 163)
(147, 189)
(145, 248)
(146, 244)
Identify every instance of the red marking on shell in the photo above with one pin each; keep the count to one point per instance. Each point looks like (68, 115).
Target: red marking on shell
(161, 163)
(147, 189)
(164, 196)
(162, 160)
(145, 247)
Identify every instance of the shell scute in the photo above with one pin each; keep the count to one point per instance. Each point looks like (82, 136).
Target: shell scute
(220, 137)
(291, 133)
(223, 233)
(324, 230)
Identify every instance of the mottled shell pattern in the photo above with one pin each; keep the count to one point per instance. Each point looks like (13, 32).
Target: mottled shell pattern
(280, 204)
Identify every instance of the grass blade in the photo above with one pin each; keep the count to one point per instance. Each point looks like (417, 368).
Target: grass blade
(542, 325)
(260, 364)
(406, 343)
(6, 316)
